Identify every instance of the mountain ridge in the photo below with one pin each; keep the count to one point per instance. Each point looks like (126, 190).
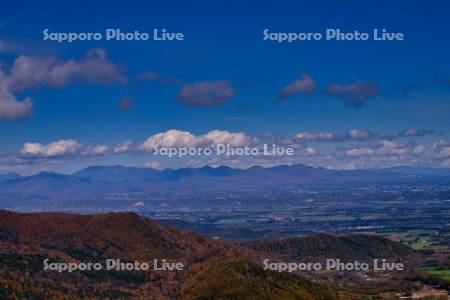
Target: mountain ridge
(98, 181)
(224, 168)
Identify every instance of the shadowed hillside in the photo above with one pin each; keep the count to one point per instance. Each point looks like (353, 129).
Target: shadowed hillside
(214, 270)
(362, 247)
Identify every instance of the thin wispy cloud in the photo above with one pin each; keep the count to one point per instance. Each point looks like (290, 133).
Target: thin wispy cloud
(354, 95)
(305, 85)
(206, 93)
(29, 72)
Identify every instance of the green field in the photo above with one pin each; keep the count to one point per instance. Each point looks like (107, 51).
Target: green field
(442, 272)
(420, 245)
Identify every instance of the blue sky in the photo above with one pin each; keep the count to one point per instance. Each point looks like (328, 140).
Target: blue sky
(224, 47)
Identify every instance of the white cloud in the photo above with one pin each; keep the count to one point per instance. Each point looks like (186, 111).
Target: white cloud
(387, 148)
(154, 165)
(445, 151)
(365, 151)
(311, 151)
(357, 154)
(442, 147)
(61, 149)
(98, 150)
(55, 149)
(176, 138)
(359, 134)
(446, 163)
(234, 139)
(419, 149)
(169, 139)
(123, 147)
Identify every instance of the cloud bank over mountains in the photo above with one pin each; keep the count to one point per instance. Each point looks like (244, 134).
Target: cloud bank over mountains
(356, 148)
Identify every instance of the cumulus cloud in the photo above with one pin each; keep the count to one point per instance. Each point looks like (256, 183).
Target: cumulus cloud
(419, 149)
(304, 85)
(154, 165)
(96, 150)
(446, 163)
(386, 148)
(170, 139)
(177, 139)
(360, 154)
(123, 147)
(360, 134)
(364, 149)
(354, 95)
(206, 93)
(234, 139)
(55, 149)
(70, 148)
(61, 149)
(442, 148)
(310, 151)
(32, 72)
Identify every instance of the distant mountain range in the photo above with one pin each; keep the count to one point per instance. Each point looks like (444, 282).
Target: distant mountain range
(107, 179)
(9, 176)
